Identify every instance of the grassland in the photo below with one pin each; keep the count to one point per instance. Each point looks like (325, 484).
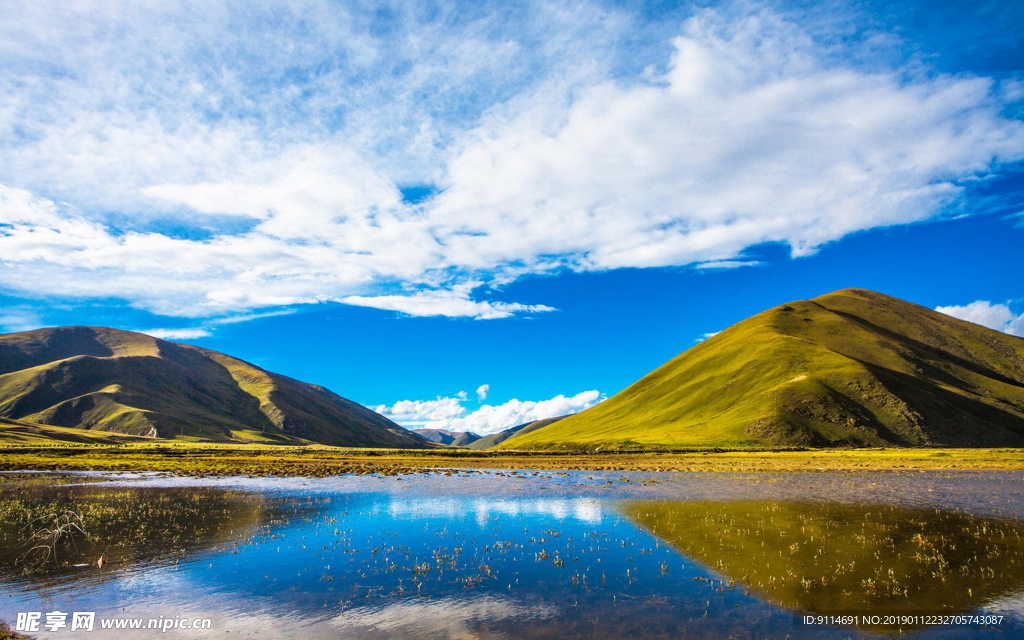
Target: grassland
(319, 461)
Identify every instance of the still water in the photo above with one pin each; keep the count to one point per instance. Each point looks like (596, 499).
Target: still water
(518, 554)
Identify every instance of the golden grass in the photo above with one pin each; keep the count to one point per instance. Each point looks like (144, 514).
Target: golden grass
(320, 461)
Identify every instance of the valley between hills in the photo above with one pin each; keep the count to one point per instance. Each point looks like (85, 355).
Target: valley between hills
(850, 380)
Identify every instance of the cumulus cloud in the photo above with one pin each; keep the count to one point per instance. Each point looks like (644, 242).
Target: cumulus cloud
(748, 138)
(199, 176)
(451, 415)
(482, 391)
(987, 314)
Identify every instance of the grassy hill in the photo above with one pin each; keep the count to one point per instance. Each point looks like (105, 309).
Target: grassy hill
(852, 367)
(120, 382)
(27, 433)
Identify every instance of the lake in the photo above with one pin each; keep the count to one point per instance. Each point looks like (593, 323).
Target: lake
(519, 554)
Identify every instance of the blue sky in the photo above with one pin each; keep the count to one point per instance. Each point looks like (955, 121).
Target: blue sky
(470, 215)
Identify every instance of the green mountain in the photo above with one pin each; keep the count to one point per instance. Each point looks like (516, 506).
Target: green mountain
(487, 442)
(107, 380)
(852, 367)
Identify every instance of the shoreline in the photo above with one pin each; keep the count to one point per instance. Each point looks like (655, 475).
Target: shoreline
(324, 461)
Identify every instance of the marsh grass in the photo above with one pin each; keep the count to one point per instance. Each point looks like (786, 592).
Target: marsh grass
(48, 534)
(320, 461)
(7, 634)
(43, 529)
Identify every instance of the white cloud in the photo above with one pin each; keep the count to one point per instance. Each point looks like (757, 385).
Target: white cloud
(424, 413)
(199, 176)
(987, 314)
(728, 264)
(451, 415)
(709, 334)
(481, 392)
(747, 139)
(178, 334)
(252, 316)
(445, 303)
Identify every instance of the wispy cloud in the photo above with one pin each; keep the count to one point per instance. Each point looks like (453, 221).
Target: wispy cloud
(155, 155)
(994, 316)
(19, 318)
(452, 415)
(452, 304)
(177, 334)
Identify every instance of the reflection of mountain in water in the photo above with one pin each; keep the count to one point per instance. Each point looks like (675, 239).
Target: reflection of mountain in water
(125, 525)
(842, 558)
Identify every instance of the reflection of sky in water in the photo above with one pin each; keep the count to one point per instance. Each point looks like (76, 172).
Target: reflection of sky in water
(582, 509)
(380, 557)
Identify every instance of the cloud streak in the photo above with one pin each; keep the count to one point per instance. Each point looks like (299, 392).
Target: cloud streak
(200, 176)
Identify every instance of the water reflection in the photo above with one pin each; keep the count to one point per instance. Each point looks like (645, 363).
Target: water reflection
(282, 559)
(452, 617)
(835, 558)
(67, 533)
(582, 509)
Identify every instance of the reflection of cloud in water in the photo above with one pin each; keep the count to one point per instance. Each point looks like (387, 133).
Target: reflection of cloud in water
(583, 509)
(447, 617)
(1013, 603)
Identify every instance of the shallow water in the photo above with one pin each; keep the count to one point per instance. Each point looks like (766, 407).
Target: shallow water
(522, 554)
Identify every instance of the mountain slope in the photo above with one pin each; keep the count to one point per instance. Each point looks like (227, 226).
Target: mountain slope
(852, 367)
(130, 383)
(487, 442)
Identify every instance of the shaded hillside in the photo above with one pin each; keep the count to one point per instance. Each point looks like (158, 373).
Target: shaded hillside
(487, 442)
(852, 367)
(445, 437)
(130, 383)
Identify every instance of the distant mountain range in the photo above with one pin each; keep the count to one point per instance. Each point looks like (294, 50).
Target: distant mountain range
(470, 440)
(852, 367)
(487, 442)
(451, 438)
(108, 381)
